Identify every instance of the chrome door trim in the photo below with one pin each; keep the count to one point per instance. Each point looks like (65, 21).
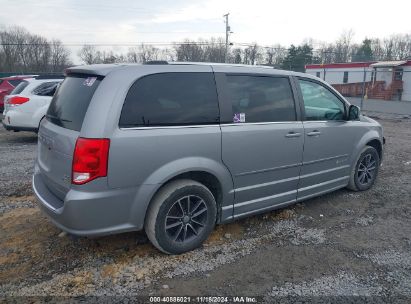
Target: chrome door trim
(269, 169)
(264, 184)
(324, 171)
(324, 183)
(265, 208)
(170, 127)
(264, 198)
(324, 159)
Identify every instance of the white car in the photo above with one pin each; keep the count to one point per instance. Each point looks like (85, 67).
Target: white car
(27, 104)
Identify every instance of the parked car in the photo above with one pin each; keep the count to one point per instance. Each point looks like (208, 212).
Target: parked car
(177, 148)
(7, 84)
(27, 104)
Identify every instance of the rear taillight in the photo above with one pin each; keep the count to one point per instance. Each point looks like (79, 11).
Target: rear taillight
(90, 159)
(17, 100)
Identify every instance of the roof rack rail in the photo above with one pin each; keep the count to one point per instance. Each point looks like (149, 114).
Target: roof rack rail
(49, 76)
(156, 62)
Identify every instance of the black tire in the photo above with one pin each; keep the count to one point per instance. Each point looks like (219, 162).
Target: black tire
(365, 171)
(171, 226)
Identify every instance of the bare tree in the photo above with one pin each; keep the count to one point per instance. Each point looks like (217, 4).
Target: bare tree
(168, 54)
(133, 55)
(401, 46)
(275, 55)
(60, 56)
(89, 54)
(237, 55)
(377, 49)
(37, 53)
(343, 47)
(148, 53)
(214, 50)
(23, 52)
(13, 40)
(252, 54)
(190, 51)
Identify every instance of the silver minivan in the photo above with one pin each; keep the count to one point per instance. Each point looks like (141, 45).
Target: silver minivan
(175, 148)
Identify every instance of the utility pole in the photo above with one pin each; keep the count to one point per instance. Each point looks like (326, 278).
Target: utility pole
(227, 33)
(363, 89)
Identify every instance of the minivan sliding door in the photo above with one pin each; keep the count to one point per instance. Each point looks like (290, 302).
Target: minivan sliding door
(262, 144)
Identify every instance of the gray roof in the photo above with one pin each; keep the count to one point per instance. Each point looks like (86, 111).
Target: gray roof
(104, 69)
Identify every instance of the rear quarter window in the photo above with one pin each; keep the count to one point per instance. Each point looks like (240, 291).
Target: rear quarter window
(46, 89)
(15, 82)
(20, 87)
(70, 103)
(170, 99)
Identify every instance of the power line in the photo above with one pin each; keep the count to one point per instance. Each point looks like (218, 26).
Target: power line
(117, 44)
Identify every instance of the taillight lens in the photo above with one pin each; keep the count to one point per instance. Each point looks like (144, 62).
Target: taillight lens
(17, 100)
(90, 159)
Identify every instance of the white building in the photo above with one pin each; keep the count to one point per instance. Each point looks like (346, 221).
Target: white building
(389, 80)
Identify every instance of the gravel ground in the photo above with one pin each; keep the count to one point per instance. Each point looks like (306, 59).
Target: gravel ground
(344, 246)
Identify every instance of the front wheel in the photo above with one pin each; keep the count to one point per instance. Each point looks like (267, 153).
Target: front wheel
(181, 216)
(365, 171)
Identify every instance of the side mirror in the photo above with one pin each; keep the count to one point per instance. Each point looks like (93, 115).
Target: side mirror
(353, 112)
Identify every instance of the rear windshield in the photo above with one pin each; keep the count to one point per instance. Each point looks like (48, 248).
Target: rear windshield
(15, 82)
(70, 103)
(20, 87)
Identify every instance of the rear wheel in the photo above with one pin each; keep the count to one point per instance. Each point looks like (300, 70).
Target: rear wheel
(365, 171)
(181, 216)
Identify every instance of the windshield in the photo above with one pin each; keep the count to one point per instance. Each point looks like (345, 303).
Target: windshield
(70, 103)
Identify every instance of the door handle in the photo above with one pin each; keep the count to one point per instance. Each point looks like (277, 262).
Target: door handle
(314, 133)
(293, 134)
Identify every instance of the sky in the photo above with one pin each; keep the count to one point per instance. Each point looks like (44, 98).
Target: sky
(266, 22)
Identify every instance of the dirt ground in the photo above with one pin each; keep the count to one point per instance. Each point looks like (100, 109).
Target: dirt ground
(344, 245)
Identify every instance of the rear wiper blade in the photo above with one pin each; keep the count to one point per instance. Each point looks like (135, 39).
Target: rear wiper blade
(57, 118)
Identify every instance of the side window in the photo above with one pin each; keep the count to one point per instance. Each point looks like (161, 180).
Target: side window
(46, 89)
(20, 87)
(170, 99)
(320, 103)
(260, 98)
(345, 77)
(398, 74)
(15, 82)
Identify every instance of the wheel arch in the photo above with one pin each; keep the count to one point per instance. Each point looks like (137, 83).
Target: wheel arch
(370, 138)
(212, 174)
(376, 143)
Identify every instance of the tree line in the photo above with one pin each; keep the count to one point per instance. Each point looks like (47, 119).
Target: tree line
(294, 57)
(22, 51)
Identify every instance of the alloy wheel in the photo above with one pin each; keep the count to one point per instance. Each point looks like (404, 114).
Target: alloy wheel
(186, 218)
(366, 169)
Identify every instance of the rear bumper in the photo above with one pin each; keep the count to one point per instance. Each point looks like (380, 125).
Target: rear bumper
(90, 213)
(15, 128)
(19, 121)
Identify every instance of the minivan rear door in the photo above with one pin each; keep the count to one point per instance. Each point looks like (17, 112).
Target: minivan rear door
(262, 140)
(59, 131)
